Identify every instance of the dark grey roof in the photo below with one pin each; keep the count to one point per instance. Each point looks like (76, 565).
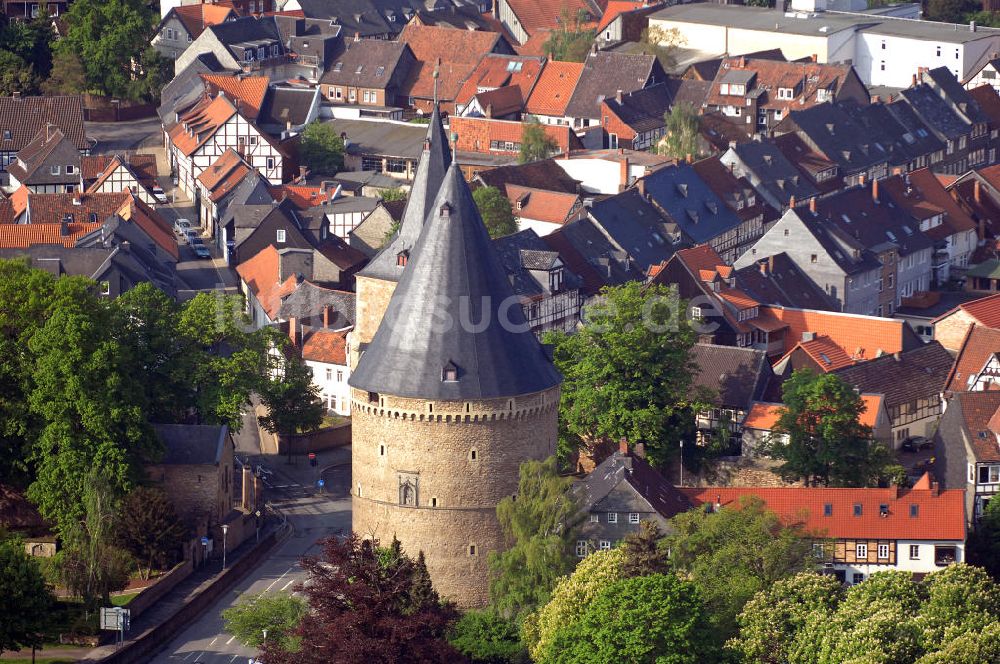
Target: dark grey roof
(307, 301)
(454, 271)
(947, 86)
(642, 110)
(604, 73)
(246, 30)
(778, 280)
(286, 104)
(902, 377)
(523, 252)
(775, 173)
(192, 444)
(689, 201)
(605, 261)
(186, 88)
(433, 164)
(544, 174)
(737, 375)
(637, 474)
(839, 137)
(368, 63)
(904, 140)
(369, 18)
(637, 227)
(382, 138)
(935, 111)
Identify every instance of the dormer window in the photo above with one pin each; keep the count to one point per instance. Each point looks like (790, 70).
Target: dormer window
(555, 280)
(6, 134)
(786, 93)
(402, 258)
(261, 53)
(449, 374)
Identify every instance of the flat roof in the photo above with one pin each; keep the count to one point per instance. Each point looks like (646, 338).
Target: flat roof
(386, 138)
(820, 23)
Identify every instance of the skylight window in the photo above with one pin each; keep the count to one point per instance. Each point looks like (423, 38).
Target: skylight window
(379, 71)
(338, 67)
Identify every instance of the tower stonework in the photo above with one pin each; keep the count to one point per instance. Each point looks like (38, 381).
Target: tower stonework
(451, 394)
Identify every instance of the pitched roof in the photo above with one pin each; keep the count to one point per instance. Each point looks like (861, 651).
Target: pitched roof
(368, 63)
(636, 227)
(639, 475)
(989, 102)
(249, 91)
(839, 137)
(199, 124)
(325, 345)
(24, 117)
(544, 174)
(541, 205)
(903, 377)
(774, 172)
(225, 173)
(606, 72)
(690, 202)
(779, 280)
(192, 444)
(20, 236)
(260, 274)
(142, 166)
(766, 76)
(434, 162)
(985, 311)
(979, 414)
(195, 18)
(979, 345)
(862, 337)
(457, 50)
(37, 153)
(454, 258)
(535, 14)
(53, 208)
(616, 7)
(499, 71)
(479, 134)
(922, 194)
(642, 110)
(764, 416)
(524, 251)
(151, 222)
(738, 375)
(284, 105)
(940, 515)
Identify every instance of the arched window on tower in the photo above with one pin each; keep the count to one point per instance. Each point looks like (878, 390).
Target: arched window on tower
(408, 490)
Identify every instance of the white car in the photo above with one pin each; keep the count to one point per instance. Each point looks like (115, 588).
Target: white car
(159, 195)
(181, 227)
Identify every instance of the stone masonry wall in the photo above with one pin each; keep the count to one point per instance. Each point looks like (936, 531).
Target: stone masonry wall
(372, 300)
(951, 331)
(464, 458)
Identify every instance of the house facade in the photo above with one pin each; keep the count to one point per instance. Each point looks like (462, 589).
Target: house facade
(967, 449)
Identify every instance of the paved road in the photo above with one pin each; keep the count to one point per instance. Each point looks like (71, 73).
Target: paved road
(198, 273)
(117, 136)
(313, 515)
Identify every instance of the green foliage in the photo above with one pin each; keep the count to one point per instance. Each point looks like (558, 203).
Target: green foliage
(985, 19)
(644, 554)
(960, 599)
(292, 400)
(983, 548)
(106, 36)
(390, 233)
(31, 41)
(682, 136)
(25, 599)
(16, 75)
(156, 70)
(149, 529)
(321, 148)
(278, 613)
(969, 648)
(733, 553)
(393, 194)
(656, 619)
(67, 77)
(495, 210)
(818, 437)
(950, 11)
(571, 596)
(627, 373)
(486, 637)
(771, 619)
(535, 143)
(662, 43)
(570, 42)
(539, 524)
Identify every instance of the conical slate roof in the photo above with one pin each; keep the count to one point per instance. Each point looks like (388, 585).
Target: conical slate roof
(454, 329)
(433, 164)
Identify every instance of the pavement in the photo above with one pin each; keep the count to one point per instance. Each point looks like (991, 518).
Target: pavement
(114, 137)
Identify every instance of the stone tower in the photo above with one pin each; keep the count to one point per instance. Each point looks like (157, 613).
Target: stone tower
(451, 395)
(377, 281)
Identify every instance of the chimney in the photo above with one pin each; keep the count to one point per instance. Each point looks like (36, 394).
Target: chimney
(770, 264)
(875, 190)
(861, 179)
(17, 94)
(623, 446)
(618, 96)
(763, 266)
(639, 450)
(293, 331)
(303, 171)
(812, 205)
(357, 36)
(814, 57)
(972, 26)
(76, 198)
(935, 488)
(640, 184)
(623, 174)
(913, 82)
(791, 201)
(808, 336)
(63, 227)
(976, 192)
(326, 316)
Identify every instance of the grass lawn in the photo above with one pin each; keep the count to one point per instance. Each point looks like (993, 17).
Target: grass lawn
(38, 660)
(122, 600)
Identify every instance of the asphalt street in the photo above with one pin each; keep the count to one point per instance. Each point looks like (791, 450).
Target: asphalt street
(314, 515)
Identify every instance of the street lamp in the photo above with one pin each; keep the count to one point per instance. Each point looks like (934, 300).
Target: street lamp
(225, 529)
(682, 463)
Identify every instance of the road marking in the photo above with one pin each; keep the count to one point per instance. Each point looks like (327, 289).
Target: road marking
(230, 640)
(213, 642)
(268, 589)
(287, 584)
(233, 659)
(188, 655)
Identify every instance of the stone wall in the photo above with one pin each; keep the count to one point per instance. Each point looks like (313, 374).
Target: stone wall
(372, 300)
(461, 459)
(326, 438)
(951, 331)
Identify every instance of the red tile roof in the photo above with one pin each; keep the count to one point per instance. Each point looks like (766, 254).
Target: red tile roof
(260, 274)
(545, 14)
(616, 7)
(764, 416)
(981, 415)
(476, 134)
(224, 174)
(22, 236)
(989, 101)
(554, 88)
(19, 200)
(535, 44)
(199, 124)
(980, 344)
(862, 337)
(325, 345)
(52, 208)
(493, 71)
(541, 205)
(941, 515)
(804, 78)
(302, 196)
(196, 18)
(151, 222)
(986, 311)
(249, 91)
(458, 51)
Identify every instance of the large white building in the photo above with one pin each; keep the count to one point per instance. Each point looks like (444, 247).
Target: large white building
(885, 50)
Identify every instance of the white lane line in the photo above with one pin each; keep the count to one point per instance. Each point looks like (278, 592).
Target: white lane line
(213, 642)
(230, 640)
(287, 584)
(268, 589)
(188, 655)
(233, 659)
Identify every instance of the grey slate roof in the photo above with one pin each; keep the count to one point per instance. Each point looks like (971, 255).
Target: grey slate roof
(700, 213)
(386, 139)
(454, 267)
(782, 282)
(643, 479)
(904, 140)
(368, 63)
(434, 162)
(191, 444)
(523, 252)
(637, 227)
(544, 174)
(186, 88)
(642, 110)
(935, 111)
(308, 300)
(777, 175)
(286, 104)
(839, 137)
(604, 73)
(903, 377)
(737, 375)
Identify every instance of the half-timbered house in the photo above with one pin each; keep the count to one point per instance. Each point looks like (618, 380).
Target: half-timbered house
(136, 173)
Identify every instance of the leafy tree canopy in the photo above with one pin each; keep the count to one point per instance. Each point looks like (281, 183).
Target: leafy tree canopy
(25, 599)
(571, 41)
(535, 143)
(682, 138)
(148, 528)
(276, 614)
(322, 149)
(495, 210)
(486, 637)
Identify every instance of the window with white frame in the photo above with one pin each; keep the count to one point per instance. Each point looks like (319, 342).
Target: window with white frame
(329, 374)
(604, 545)
(857, 577)
(54, 170)
(581, 548)
(861, 550)
(612, 517)
(595, 518)
(883, 551)
(989, 474)
(340, 376)
(633, 517)
(280, 235)
(914, 551)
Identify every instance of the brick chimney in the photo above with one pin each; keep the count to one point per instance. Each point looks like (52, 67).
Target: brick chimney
(875, 190)
(326, 316)
(814, 57)
(791, 201)
(293, 331)
(812, 205)
(623, 174)
(623, 446)
(976, 191)
(618, 96)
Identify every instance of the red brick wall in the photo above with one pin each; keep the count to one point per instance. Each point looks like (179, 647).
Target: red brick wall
(613, 125)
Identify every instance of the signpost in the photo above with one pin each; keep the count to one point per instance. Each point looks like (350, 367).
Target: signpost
(116, 619)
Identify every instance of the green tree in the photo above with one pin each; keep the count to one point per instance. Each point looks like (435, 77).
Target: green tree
(628, 372)
(536, 144)
(392, 194)
(950, 11)
(682, 136)
(656, 619)
(770, 620)
(155, 71)
(106, 35)
(67, 77)
(390, 233)
(960, 599)
(16, 75)
(571, 41)
(819, 438)
(643, 553)
(292, 400)
(571, 597)
(495, 210)
(149, 529)
(25, 599)
(321, 148)
(277, 613)
(31, 41)
(984, 542)
(968, 648)
(662, 43)
(486, 637)
(733, 553)
(539, 524)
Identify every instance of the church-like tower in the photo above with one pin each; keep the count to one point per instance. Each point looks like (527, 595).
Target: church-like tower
(450, 396)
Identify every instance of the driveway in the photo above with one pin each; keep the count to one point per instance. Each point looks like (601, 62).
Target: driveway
(119, 136)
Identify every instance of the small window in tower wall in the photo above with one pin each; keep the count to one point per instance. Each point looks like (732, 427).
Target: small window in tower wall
(473, 455)
(434, 502)
(280, 235)
(381, 450)
(472, 549)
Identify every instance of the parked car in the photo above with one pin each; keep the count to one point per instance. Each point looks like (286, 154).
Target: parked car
(916, 443)
(181, 227)
(159, 195)
(200, 250)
